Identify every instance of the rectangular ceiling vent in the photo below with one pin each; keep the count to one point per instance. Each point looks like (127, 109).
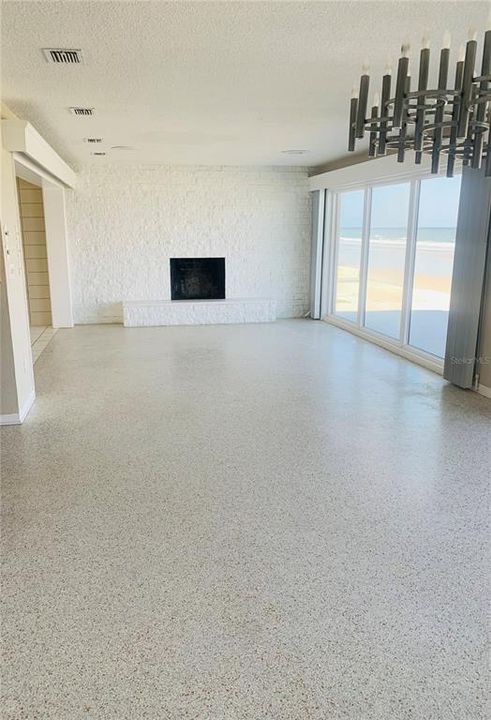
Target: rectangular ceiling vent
(63, 56)
(82, 111)
(93, 140)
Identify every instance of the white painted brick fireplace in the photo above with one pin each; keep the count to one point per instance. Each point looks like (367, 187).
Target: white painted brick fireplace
(126, 222)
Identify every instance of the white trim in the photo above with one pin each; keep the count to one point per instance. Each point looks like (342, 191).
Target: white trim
(317, 255)
(27, 406)
(12, 419)
(28, 170)
(329, 244)
(56, 238)
(405, 351)
(19, 136)
(364, 257)
(18, 418)
(409, 260)
(484, 390)
(384, 170)
(58, 255)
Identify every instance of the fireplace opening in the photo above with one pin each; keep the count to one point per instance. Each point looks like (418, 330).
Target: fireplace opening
(197, 278)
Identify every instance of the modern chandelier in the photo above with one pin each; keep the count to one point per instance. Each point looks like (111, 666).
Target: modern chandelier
(451, 121)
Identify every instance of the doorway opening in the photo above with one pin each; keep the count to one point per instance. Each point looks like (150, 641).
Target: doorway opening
(31, 211)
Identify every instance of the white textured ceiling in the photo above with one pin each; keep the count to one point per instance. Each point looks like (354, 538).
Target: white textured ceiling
(209, 82)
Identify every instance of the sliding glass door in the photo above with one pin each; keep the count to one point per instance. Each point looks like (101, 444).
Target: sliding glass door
(386, 258)
(392, 262)
(435, 245)
(348, 254)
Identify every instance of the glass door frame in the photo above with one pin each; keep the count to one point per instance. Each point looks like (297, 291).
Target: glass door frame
(400, 345)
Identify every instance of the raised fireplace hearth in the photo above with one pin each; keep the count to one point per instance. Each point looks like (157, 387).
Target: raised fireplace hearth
(197, 278)
(197, 292)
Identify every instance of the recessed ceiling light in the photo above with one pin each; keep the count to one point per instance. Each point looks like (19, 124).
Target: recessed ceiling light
(294, 152)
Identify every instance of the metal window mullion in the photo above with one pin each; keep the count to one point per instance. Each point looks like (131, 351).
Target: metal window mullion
(409, 262)
(362, 289)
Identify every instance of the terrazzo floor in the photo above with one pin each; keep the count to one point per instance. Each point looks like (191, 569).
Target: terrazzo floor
(41, 336)
(254, 522)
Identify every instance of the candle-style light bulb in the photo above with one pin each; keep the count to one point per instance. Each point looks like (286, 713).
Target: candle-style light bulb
(354, 93)
(425, 42)
(461, 55)
(376, 100)
(388, 70)
(472, 35)
(405, 47)
(446, 40)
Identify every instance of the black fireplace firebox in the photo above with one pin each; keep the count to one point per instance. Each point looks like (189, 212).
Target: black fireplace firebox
(197, 278)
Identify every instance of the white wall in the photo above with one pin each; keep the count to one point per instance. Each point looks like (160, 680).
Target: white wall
(17, 392)
(124, 223)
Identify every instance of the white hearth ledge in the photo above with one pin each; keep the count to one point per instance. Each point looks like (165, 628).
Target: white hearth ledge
(148, 313)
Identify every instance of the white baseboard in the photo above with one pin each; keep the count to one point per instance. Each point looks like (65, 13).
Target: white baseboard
(484, 390)
(18, 418)
(12, 419)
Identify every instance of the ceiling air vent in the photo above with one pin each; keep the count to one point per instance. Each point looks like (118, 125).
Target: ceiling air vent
(82, 111)
(93, 140)
(63, 56)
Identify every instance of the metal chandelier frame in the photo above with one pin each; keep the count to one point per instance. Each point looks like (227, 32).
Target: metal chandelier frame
(455, 122)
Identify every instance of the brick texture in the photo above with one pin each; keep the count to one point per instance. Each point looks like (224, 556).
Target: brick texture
(125, 222)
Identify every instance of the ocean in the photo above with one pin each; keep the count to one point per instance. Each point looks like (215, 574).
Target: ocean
(425, 234)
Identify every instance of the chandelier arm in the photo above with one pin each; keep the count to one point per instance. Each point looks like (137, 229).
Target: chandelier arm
(403, 131)
(459, 71)
(386, 80)
(439, 112)
(469, 64)
(481, 106)
(372, 146)
(424, 65)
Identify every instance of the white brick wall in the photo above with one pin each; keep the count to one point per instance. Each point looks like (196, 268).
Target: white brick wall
(125, 222)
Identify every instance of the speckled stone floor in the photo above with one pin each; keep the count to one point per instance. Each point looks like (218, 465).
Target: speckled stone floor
(257, 522)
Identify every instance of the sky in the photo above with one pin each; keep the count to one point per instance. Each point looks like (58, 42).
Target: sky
(438, 205)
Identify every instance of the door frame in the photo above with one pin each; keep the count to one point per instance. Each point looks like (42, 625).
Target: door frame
(56, 239)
